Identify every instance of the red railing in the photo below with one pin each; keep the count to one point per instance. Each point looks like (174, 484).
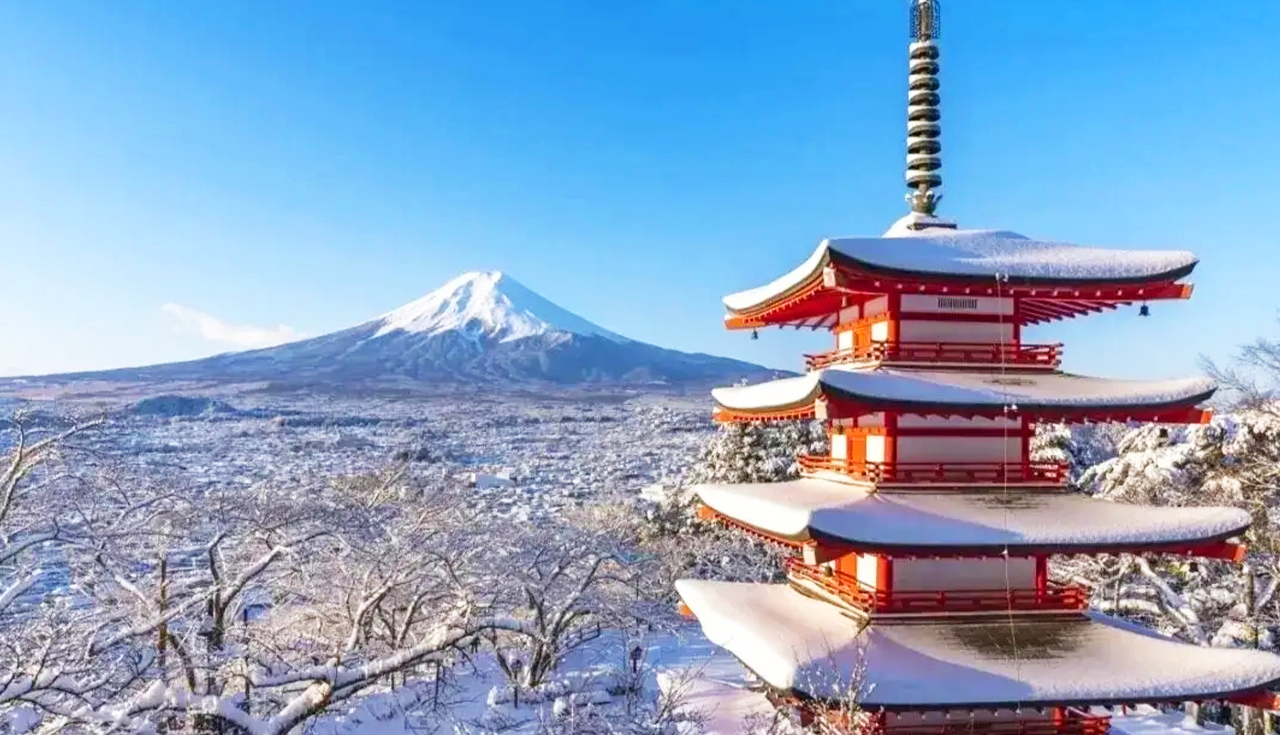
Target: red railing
(940, 472)
(843, 720)
(850, 590)
(1071, 722)
(977, 353)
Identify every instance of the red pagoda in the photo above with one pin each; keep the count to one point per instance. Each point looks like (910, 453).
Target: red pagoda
(919, 575)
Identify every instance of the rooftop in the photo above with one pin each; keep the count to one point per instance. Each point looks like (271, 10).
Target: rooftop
(994, 520)
(800, 644)
(978, 254)
(876, 388)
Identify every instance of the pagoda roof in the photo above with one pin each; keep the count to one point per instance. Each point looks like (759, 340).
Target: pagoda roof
(975, 258)
(990, 521)
(851, 390)
(803, 645)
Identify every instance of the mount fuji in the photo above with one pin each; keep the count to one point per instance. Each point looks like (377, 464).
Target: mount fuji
(480, 327)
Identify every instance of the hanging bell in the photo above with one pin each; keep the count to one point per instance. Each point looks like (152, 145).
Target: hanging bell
(755, 333)
(1144, 310)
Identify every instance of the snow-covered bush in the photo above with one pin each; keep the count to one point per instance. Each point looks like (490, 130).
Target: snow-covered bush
(1079, 447)
(758, 452)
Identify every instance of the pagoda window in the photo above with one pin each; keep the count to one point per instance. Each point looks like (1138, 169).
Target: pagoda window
(866, 567)
(844, 339)
(877, 449)
(839, 446)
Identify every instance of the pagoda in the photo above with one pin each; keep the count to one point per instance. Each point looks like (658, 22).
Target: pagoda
(918, 581)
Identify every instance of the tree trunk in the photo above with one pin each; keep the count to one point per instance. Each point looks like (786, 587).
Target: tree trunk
(1248, 720)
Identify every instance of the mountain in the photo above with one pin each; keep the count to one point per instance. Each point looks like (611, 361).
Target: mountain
(478, 327)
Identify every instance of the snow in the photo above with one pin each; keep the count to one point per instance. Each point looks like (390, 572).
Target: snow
(1026, 390)
(778, 287)
(800, 508)
(491, 304)
(725, 697)
(944, 251)
(717, 693)
(1147, 720)
(795, 642)
(486, 481)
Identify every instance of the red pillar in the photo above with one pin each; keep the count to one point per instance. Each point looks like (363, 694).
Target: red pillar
(884, 578)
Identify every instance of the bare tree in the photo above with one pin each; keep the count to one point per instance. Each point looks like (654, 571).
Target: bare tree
(566, 585)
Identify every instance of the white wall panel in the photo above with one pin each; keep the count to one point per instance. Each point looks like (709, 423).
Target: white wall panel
(963, 574)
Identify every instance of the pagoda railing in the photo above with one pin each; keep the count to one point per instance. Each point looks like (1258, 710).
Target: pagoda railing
(977, 353)
(940, 472)
(1071, 722)
(847, 588)
(842, 720)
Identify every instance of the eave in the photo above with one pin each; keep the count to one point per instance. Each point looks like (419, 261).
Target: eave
(818, 547)
(816, 302)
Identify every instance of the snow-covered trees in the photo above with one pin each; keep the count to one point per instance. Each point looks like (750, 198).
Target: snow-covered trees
(758, 452)
(684, 546)
(1230, 461)
(226, 610)
(1079, 447)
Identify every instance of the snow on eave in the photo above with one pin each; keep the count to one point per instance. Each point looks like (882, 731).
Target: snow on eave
(801, 644)
(984, 254)
(798, 276)
(945, 252)
(906, 388)
(991, 521)
(781, 393)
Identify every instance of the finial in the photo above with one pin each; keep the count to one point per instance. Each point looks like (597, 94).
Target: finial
(926, 20)
(923, 126)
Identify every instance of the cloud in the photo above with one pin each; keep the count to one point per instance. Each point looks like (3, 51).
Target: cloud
(214, 329)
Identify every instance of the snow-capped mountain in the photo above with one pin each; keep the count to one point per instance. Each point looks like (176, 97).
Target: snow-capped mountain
(489, 305)
(478, 327)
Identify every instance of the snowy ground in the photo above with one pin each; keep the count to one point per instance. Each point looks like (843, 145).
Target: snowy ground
(474, 697)
(557, 449)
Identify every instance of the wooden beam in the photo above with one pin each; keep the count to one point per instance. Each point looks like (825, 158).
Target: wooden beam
(1223, 550)
(1260, 699)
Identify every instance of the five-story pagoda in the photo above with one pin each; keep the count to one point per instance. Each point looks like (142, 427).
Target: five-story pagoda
(921, 541)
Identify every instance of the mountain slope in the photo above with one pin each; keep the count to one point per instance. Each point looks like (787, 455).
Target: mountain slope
(492, 305)
(478, 327)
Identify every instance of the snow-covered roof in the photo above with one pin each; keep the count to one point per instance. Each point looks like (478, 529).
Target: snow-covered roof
(943, 251)
(722, 703)
(798, 643)
(1056, 521)
(962, 389)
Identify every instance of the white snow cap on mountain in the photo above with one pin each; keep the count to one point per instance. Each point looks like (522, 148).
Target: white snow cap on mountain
(489, 304)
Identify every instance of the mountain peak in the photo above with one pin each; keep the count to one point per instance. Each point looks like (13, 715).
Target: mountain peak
(488, 304)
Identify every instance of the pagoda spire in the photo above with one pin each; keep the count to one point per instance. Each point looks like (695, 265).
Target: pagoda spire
(923, 118)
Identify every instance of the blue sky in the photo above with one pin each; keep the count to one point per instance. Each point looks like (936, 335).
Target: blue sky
(295, 167)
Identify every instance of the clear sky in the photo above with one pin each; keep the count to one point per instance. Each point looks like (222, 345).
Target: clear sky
(180, 177)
